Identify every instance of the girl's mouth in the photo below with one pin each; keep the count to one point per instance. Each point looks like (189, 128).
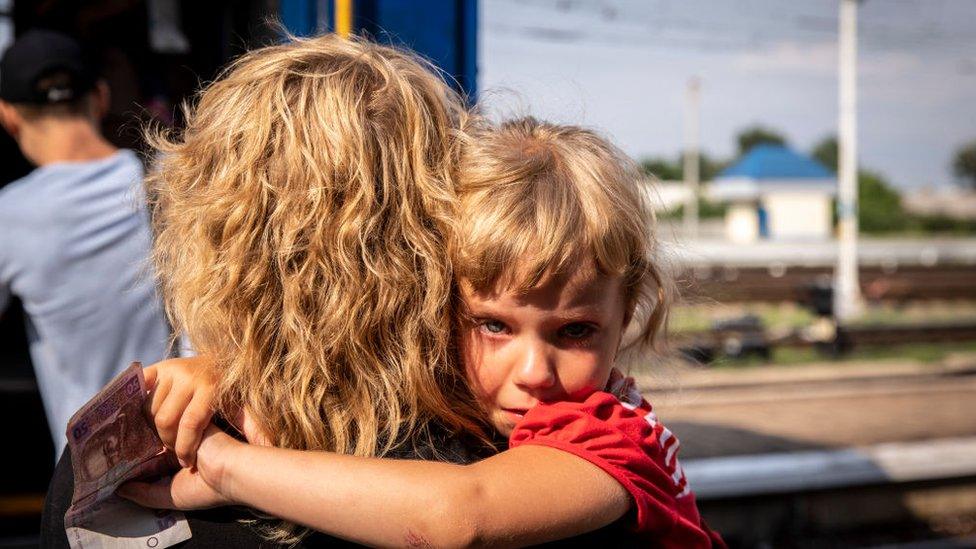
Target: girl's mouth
(515, 413)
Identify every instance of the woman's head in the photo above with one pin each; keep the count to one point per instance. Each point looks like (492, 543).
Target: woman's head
(554, 255)
(301, 223)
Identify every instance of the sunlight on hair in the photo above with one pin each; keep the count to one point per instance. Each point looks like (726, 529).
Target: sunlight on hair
(301, 239)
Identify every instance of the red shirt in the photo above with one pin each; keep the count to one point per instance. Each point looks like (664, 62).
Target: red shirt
(622, 436)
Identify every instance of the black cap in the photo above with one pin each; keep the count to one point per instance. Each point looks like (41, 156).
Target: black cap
(36, 55)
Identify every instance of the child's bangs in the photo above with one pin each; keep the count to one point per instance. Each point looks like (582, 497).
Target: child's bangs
(520, 240)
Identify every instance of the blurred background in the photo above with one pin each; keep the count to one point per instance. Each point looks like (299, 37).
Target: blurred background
(813, 168)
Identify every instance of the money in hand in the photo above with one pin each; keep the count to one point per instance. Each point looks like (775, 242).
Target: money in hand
(112, 442)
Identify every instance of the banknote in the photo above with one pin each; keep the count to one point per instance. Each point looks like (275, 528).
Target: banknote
(112, 441)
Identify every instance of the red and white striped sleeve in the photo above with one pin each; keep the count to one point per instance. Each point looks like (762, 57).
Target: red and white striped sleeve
(623, 437)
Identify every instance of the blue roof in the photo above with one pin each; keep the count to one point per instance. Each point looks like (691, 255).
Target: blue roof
(769, 161)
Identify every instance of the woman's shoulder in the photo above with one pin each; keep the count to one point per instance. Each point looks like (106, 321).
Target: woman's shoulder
(445, 445)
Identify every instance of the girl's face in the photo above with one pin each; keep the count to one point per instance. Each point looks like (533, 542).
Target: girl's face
(555, 342)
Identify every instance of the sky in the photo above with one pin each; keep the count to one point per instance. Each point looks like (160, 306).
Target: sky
(622, 67)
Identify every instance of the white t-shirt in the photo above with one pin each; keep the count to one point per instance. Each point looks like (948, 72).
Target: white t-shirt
(74, 247)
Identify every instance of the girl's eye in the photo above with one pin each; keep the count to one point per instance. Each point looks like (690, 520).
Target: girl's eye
(493, 326)
(577, 330)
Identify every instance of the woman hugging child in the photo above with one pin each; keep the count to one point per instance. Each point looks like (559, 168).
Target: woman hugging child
(554, 261)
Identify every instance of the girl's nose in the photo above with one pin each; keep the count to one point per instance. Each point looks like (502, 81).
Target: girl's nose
(535, 370)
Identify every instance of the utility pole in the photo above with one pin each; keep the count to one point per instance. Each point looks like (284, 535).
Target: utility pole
(847, 291)
(691, 161)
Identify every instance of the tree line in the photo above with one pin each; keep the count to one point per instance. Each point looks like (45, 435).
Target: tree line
(880, 210)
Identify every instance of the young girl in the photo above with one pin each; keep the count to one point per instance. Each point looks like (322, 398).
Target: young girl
(553, 260)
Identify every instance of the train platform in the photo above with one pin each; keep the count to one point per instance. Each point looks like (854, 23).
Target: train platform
(772, 409)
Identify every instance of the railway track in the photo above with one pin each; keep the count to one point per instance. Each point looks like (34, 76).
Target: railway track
(895, 335)
(779, 282)
(705, 346)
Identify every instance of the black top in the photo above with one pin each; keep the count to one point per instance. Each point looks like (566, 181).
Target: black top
(222, 527)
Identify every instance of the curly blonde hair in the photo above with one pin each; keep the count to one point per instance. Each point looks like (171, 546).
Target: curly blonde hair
(540, 199)
(301, 224)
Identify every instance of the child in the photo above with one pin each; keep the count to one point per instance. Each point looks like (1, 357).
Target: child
(553, 260)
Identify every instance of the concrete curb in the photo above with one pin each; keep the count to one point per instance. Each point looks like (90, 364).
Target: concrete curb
(888, 463)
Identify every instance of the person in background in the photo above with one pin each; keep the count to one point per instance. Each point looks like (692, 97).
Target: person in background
(74, 233)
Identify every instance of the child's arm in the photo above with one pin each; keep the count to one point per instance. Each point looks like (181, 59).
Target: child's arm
(526, 495)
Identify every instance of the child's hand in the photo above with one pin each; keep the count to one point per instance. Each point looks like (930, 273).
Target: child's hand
(190, 488)
(181, 403)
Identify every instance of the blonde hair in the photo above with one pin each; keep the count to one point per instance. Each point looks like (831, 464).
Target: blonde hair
(301, 239)
(540, 199)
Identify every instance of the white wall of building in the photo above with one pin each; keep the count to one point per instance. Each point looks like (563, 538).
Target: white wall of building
(742, 223)
(798, 215)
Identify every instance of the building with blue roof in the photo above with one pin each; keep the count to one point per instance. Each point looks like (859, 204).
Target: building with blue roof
(776, 193)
